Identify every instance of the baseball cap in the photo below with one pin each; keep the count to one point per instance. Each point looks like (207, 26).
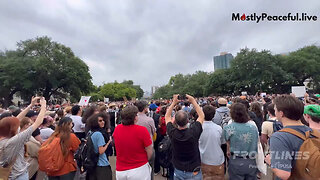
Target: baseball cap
(313, 110)
(31, 113)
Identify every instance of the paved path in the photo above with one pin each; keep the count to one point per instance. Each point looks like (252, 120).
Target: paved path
(159, 176)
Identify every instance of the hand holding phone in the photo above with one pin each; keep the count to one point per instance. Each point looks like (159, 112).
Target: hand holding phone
(182, 97)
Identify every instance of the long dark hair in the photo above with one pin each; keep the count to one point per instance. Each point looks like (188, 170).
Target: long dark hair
(88, 112)
(256, 108)
(63, 132)
(163, 110)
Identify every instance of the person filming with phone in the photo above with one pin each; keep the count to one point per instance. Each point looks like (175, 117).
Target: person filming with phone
(185, 140)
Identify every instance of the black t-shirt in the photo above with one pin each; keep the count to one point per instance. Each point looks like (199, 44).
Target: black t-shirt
(36, 132)
(112, 115)
(185, 145)
(156, 118)
(256, 119)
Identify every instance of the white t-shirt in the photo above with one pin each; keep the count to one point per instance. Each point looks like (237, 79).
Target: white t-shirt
(45, 133)
(78, 125)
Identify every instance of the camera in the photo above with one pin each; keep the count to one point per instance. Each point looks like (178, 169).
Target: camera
(182, 97)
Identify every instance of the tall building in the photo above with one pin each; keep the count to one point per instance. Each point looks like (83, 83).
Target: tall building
(153, 89)
(222, 61)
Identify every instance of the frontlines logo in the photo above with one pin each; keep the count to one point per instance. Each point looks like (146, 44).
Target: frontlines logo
(265, 17)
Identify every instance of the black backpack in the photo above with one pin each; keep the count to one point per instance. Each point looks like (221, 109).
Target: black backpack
(165, 152)
(277, 125)
(85, 156)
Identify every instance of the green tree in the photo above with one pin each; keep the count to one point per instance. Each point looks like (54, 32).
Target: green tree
(303, 64)
(16, 75)
(139, 91)
(184, 84)
(57, 69)
(107, 91)
(254, 71)
(196, 84)
(251, 71)
(220, 83)
(163, 92)
(116, 91)
(177, 84)
(96, 97)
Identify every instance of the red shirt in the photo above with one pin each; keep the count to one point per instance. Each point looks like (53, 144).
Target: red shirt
(163, 126)
(130, 142)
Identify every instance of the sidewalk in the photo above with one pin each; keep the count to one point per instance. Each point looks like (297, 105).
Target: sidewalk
(159, 176)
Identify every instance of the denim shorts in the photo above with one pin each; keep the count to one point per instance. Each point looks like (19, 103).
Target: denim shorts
(182, 175)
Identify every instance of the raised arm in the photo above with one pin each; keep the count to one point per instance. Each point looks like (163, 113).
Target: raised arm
(169, 111)
(41, 115)
(26, 110)
(197, 108)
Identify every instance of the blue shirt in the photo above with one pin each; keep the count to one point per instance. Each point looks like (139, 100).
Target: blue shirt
(210, 144)
(186, 109)
(98, 141)
(284, 148)
(243, 138)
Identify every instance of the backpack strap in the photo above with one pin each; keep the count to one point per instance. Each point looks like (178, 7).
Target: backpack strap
(223, 114)
(296, 133)
(269, 120)
(316, 133)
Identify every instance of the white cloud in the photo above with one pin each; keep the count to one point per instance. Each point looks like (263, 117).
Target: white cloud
(149, 41)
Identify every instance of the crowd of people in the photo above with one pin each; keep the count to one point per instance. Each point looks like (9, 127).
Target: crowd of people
(181, 138)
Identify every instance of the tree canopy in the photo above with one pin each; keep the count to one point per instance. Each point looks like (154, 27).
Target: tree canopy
(184, 84)
(118, 91)
(44, 67)
(252, 71)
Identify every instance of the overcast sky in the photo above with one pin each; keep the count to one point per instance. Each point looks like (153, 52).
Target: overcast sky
(148, 41)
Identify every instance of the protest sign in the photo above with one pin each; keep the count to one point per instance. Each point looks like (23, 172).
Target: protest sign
(298, 91)
(263, 94)
(244, 93)
(84, 101)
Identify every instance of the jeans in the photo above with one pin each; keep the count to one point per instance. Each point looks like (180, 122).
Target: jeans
(240, 168)
(183, 175)
(68, 176)
(24, 176)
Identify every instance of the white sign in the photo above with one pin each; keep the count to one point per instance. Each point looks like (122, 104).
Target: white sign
(263, 94)
(244, 93)
(106, 100)
(84, 101)
(298, 91)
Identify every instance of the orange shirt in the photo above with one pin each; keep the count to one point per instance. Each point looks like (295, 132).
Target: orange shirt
(70, 164)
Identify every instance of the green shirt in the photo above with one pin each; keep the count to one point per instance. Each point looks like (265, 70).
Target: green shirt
(243, 138)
